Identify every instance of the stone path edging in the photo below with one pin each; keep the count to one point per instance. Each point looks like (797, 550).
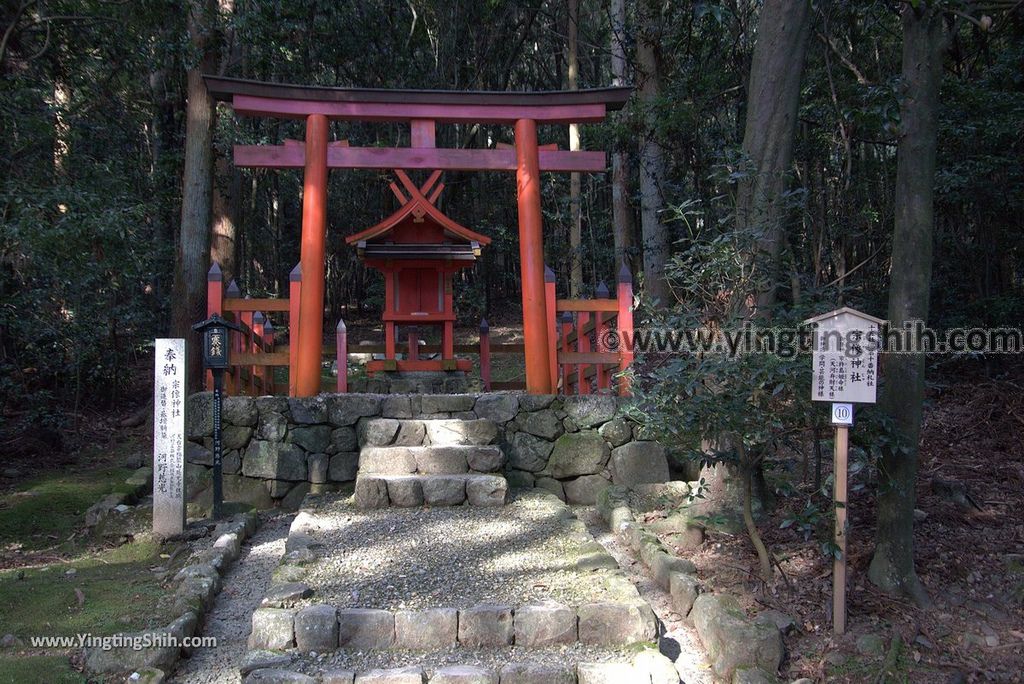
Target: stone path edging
(739, 649)
(196, 585)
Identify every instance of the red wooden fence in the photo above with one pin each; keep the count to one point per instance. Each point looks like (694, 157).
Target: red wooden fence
(255, 351)
(590, 341)
(579, 332)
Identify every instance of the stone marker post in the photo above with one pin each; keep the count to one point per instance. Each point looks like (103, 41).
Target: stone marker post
(169, 392)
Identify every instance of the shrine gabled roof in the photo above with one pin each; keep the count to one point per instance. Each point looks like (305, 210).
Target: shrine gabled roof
(418, 208)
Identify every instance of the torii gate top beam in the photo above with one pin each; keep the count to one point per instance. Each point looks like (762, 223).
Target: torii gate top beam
(258, 98)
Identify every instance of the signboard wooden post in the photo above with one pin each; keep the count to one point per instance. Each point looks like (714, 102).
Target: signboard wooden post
(845, 372)
(169, 392)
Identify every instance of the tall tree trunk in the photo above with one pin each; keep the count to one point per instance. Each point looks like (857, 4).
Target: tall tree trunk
(892, 567)
(227, 182)
(575, 215)
(192, 261)
(225, 216)
(652, 158)
(161, 142)
(772, 101)
(622, 214)
(61, 130)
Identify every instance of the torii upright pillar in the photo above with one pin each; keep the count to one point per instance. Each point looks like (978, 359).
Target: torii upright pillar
(531, 259)
(314, 235)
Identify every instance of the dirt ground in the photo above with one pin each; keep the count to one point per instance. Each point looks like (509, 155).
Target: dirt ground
(970, 560)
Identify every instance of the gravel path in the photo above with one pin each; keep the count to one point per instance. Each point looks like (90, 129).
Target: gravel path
(678, 640)
(454, 556)
(230, 619)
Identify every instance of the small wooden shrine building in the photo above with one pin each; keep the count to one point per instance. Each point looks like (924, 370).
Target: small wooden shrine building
(419, 250)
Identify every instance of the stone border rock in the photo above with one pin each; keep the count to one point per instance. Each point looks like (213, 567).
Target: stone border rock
(740, 650)
(648, 666)
(140, 482)
(196, 586)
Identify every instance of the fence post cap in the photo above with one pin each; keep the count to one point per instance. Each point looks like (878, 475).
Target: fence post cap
(233, 290)
(341, 324)
(214, 275)
(484, 326)
(566, 317)
(296, 273)
(258, 318)
(549, 275)
(602, 290)
(624, 275)
(268, 327)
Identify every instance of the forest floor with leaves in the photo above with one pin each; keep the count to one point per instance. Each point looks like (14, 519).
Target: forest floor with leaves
(970, 558)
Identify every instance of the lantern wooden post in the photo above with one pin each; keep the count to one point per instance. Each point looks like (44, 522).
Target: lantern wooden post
(582, 346)
(233, 376)
(448, 329)
(314, 234)
(341, 341)
(245, 345)
(268, 345)
(259, 378)
(601, 328)
(412, 336)
(531, 258)
(551, 324)
(566, 347)
(390, 306)
(485, 354)
(624, 295)
(294, 298)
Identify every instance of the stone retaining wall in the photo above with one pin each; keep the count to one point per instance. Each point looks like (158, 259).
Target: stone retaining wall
(277, 448)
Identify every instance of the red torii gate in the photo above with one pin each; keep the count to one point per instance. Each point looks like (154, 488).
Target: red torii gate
(423, 109)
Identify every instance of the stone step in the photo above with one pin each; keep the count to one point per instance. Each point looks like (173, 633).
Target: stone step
(322, 628)
(507, 666)
(419, 432)
(407, 491)
(431, 460)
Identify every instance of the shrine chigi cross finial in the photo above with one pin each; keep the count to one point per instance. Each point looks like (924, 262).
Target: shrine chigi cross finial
(421, 194)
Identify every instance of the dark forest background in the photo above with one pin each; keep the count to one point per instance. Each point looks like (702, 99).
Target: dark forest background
(93, 120)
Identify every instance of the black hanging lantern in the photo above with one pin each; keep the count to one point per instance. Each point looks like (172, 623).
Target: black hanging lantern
(215, 341)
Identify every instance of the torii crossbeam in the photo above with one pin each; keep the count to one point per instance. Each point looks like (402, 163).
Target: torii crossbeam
(423, 109)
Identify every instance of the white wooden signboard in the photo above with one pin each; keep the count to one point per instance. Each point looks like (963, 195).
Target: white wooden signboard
(169, 394)
(845, 357)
